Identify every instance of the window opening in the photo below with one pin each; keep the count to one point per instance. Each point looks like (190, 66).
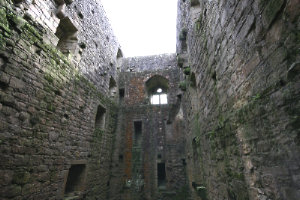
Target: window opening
(75, 180)
(183, 40)
(67, 34)
(157, 87)
(119, 54)
(138, 133)
(100, 118)
(121, 93)
(161, 175)
(159, 97)
(120, 158)
(112, 87)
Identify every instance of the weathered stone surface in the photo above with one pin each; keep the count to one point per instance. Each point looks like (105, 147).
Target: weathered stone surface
(236, 115)
(43, 94)
(68, 99)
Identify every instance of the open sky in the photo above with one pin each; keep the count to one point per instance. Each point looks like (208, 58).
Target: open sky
(143, 27)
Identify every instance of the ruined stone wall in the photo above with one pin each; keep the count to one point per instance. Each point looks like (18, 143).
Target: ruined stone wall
(241, 66)
(135, 167)
(95, 49)
(49, 102)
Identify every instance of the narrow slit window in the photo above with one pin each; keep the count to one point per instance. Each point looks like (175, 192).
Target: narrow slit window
(119, 54)
(100, 118)
(137, 133)
(112, 87)
(121, 93)
(161, 174)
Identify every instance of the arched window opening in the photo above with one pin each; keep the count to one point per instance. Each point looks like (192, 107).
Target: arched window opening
(157, 88)
(112, 87)
(100, 118)
(67, 35)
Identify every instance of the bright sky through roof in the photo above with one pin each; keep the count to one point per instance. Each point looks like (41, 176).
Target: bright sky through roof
(143, 27)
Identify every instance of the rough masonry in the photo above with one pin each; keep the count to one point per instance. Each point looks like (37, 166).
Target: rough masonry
(218, 119)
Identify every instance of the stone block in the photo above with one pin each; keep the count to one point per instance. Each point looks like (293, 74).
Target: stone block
(7, 100)
(4, 79)
(246, 27)
(6, 177)
(251, 65)
(16, 83)
(270, 12)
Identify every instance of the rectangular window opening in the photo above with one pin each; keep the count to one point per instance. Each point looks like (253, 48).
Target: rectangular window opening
(121, 93)
(158, 99)
(76, 180)
(100, 118)
(138, 133)
(161, 175)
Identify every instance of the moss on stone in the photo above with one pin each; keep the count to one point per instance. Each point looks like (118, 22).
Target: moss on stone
(49, 78)
(183, 85)
(187, 70)
(3, 21)
(98, 134)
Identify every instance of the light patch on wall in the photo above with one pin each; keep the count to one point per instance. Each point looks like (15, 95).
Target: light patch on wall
(143, 27)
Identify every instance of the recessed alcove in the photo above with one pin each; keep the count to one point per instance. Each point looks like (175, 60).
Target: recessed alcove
(121, 93)
(67, 35)
(137, 133)
(112, 87)
(161, 175)
(100, 117)
(183, 39)
(195, 3)
(75, 180)
(157, 87)
(119, 54)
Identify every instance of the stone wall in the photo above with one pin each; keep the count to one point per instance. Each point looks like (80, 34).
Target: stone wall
(49, 102)
(135, 166)
(241, 105)
(73, 110)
